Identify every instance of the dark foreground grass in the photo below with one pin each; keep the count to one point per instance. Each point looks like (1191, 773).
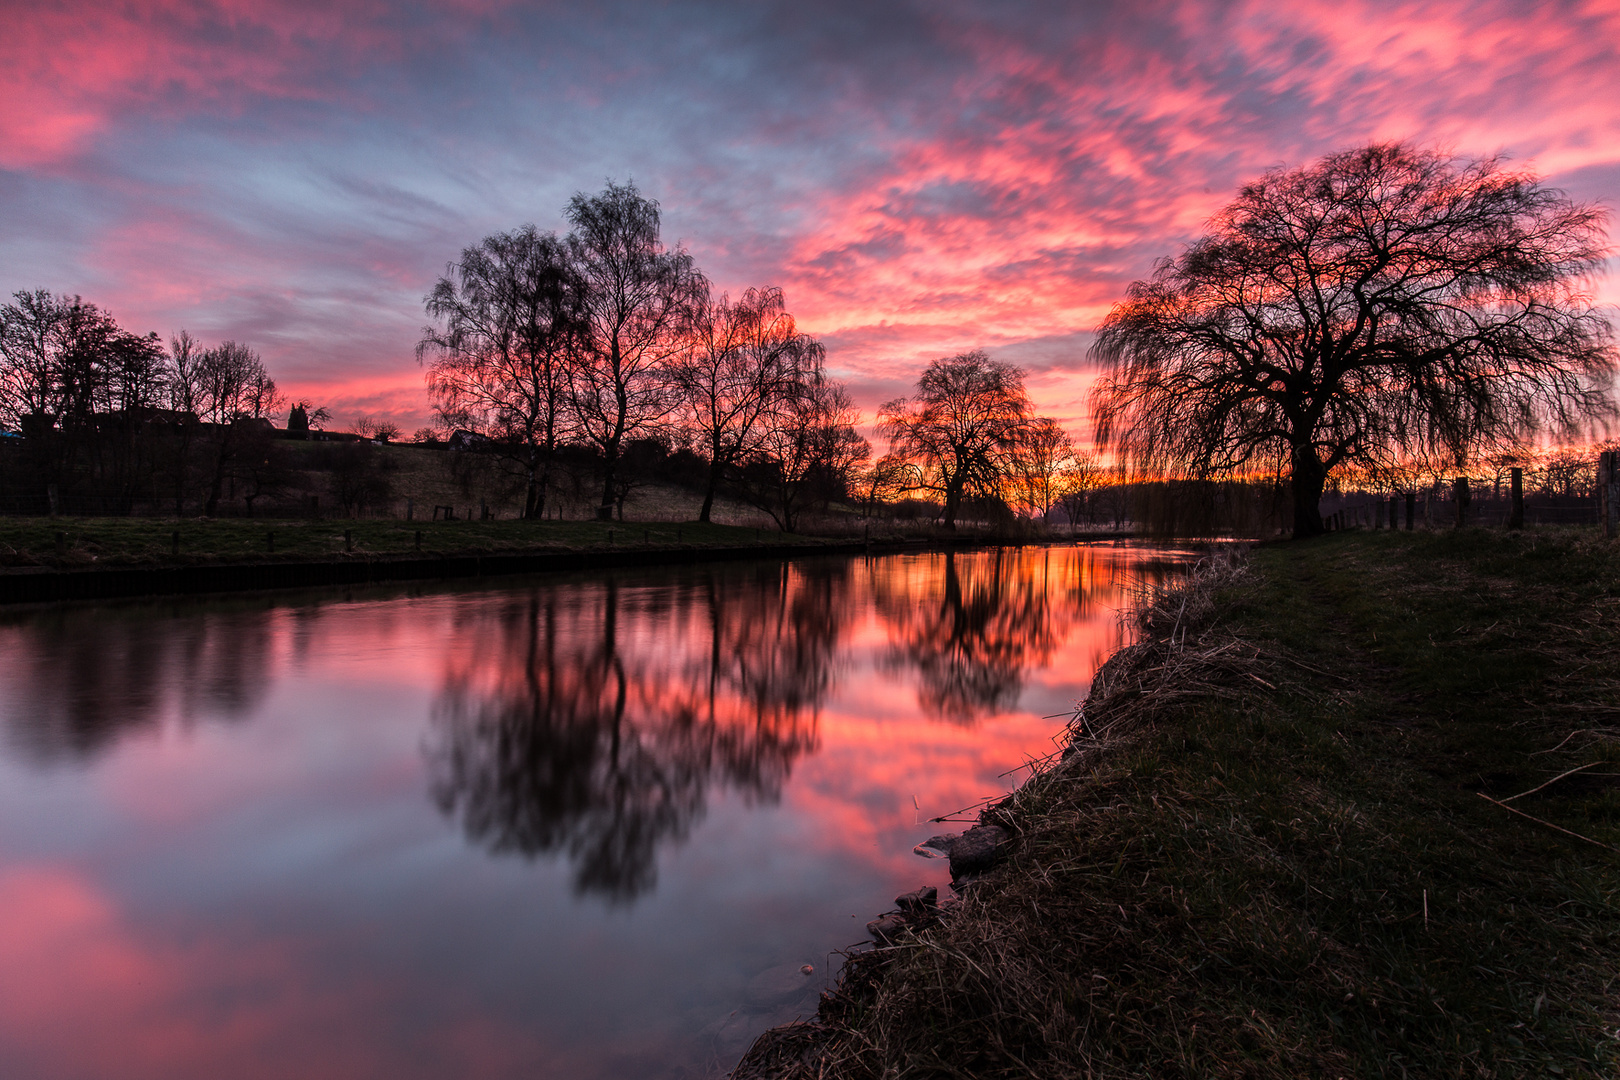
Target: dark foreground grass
(90, 543)
(1268, 854)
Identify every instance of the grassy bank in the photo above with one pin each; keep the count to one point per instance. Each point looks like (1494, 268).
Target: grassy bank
(1268, 854)
(94, 543)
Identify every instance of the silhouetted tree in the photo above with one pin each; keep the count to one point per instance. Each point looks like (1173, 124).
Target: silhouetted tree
(1043, 453)
(1382, 300)
(639, 299)
(738, 378)
(962, 429)
(227, 384)
(808, 453)
(512, 314)
(81, 388)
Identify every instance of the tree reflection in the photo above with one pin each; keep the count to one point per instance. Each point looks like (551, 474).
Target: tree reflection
(972, 627)
(594, 720)
(78, 679)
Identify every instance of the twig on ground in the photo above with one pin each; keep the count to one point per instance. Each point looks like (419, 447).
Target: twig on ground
(1550, 825)
(1554, 780)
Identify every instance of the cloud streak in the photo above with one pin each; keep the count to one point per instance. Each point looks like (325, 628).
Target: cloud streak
(919, 178)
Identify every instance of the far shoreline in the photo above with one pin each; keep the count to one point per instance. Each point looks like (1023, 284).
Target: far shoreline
(45, 584)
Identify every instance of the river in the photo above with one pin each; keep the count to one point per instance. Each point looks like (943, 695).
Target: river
(586, 826)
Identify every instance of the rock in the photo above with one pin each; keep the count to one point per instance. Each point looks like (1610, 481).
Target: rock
(978, 849)
(808, 969)
(918, 902)
(887, 929)
(936, 847)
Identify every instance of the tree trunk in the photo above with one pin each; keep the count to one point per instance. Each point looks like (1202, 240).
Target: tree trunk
(1309, 477)
(534, 497)
(609, 469)
(953, 504)
(708, 496)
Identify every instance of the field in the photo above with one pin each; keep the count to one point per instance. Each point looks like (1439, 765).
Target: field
(92, 543)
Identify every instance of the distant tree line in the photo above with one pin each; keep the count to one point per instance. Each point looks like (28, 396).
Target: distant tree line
(110, 414)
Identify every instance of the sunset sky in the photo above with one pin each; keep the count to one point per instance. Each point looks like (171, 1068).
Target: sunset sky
(919, 178)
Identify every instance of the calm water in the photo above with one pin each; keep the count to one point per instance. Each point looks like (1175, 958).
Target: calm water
(583, 826)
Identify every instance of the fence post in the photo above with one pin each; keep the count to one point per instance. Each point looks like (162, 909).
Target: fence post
(1459, 488)
(410, 509)
(1516, 515)
(50, 494)
(270, 542)
(348, 539)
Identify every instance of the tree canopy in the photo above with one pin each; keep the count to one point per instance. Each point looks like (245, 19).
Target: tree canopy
(963, 428)
(1382, 301)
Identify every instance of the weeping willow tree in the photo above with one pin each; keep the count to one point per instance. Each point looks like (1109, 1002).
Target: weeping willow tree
(1384, 301)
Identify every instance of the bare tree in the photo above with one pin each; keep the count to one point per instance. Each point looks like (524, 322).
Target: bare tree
(31, 333)
(227, 388)
(511, 310)
(1082, 477)
(885, 481)
(745, 364)
(808, 455)
(1383, 300)
(1043, 453)
(639, 299)
(962, 429)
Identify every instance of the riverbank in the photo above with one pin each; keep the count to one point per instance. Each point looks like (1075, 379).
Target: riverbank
(1321, 821)
(49, 559)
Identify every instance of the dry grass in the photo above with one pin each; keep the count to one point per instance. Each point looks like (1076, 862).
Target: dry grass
(1264, 854)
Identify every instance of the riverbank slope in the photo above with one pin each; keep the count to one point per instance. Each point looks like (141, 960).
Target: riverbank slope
(1320, 822)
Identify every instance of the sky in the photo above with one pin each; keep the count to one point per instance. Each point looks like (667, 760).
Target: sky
(919, 178)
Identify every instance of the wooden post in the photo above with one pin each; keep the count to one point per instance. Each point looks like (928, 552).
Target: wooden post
(410, 509)
(61, 543)
(1459, 488)
(348, 539)
(418, 539)
(174, 540)
(1516, 515)
(270, 542)
(50, 495)
(1411, 510)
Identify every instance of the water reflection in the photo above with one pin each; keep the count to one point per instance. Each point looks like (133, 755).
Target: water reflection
(971, 627)
(346, 835)
(593, 720)
(80, 678)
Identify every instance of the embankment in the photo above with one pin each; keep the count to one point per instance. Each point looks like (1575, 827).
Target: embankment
(1350, 808)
